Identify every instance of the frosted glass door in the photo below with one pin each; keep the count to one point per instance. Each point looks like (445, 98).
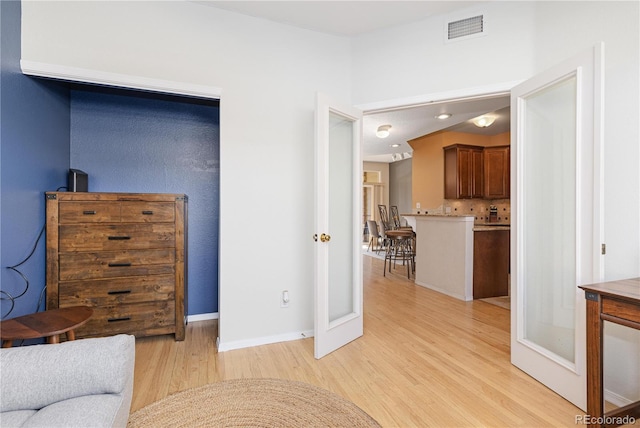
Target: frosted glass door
(556, 216)
(341, 202)
(549, 218)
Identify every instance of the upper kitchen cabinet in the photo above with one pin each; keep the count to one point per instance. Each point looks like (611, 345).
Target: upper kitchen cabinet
(463, 172)
(496, 172)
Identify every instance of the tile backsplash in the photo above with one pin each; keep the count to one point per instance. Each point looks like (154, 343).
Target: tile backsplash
(479, 208)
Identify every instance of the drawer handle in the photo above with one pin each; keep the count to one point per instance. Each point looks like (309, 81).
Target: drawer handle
(118, 319)
(119, 264)
(118, 238)
(88, 212)
(147, 212)
(119, 292)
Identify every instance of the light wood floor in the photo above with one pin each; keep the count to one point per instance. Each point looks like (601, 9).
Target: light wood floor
(425, 360)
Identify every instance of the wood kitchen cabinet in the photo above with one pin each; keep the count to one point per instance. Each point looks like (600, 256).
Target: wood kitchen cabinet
(463, 172)
(490, 262)
(124, 255)
(496, 172)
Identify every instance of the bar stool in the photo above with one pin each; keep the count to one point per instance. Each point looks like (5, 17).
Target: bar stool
(399, 246)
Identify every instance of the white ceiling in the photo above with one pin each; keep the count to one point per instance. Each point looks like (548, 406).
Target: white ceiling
(343, 18)
(414, 122)
(351, 18)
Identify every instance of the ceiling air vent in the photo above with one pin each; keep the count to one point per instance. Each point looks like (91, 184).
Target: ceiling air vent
(465, 27)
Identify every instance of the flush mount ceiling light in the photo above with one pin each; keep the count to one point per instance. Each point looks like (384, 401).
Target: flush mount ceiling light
(483, 121)
(443, 116)
(394, 145)
(383, 131)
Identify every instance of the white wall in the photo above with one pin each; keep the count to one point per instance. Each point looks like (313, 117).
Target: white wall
(269, 75)
(621, 35)
(413, 60)
(617, 24)
(524, 38)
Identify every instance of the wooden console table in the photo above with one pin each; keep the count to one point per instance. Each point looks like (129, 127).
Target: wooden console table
(50, 324)
(617, 302)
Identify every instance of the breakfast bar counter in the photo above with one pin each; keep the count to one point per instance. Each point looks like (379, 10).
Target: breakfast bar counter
(444, 253)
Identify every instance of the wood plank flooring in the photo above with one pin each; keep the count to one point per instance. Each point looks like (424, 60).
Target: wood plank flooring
(425, 359)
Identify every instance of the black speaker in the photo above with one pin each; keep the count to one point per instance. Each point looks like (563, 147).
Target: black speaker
(78, 181)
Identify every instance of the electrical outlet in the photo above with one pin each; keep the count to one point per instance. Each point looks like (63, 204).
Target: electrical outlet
(284, 299)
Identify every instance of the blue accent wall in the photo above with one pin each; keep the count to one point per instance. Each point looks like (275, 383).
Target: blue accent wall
(34, 156)
(127, 141)
(138, 142)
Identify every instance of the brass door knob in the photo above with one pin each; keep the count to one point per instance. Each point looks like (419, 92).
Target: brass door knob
(325, 238)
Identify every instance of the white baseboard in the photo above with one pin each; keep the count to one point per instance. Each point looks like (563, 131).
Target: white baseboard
(239, 344)
(616, 399)
(443, 291)
(203, 317)
(249, 342)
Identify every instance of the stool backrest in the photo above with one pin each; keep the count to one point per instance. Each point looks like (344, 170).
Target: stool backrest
(384, 218)
(395, 217)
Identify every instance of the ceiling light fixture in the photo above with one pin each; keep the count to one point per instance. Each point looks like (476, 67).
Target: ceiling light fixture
(483, 121)
(383, 131)
(443, 116)
(394, 145)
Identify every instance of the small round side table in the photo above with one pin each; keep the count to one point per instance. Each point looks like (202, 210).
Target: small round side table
(50, 324)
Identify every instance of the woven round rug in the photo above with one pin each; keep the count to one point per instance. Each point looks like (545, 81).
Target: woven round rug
(252, 403)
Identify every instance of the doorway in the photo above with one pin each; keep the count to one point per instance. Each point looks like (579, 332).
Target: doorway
(372, 196)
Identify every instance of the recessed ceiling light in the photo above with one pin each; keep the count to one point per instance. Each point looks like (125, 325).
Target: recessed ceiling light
(394, 145)
(443, 116)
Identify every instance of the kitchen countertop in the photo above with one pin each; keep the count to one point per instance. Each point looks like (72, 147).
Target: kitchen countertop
(435, 215)
(487, 227)
(477, 226)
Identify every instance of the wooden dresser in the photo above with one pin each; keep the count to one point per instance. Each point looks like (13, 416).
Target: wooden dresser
(123, 254)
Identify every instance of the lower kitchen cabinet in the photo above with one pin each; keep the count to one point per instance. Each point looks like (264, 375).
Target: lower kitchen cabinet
(490, 263)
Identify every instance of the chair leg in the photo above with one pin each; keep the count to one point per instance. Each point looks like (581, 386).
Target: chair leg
(387, 255)
(384, 268)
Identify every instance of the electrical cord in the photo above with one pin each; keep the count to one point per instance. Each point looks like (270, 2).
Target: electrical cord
(14, 268)
(4, 295)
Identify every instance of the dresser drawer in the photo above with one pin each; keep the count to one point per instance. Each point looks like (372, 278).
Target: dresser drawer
(88, 237)
(107, 292)
(147, 212)
(74, 212)
(140, 319)
(110, 264)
